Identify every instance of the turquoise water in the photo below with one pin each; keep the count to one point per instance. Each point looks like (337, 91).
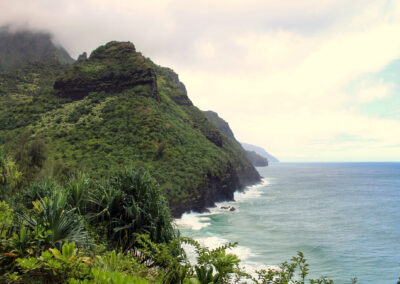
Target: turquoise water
(345, 217)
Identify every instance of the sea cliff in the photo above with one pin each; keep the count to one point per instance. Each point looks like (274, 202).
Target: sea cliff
(117, 108)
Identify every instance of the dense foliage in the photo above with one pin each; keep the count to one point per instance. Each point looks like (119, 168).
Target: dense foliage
(146, 122)
(118, 230)
(110, 223)
(223, 126)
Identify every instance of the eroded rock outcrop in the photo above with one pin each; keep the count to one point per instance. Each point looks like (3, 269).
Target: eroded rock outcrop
(113, 67)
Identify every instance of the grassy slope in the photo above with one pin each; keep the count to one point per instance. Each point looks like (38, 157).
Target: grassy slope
(105, 131)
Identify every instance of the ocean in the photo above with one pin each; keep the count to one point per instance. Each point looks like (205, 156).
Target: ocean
(345, 218)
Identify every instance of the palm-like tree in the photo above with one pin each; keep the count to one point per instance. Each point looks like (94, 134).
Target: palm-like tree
(132, 202)
(54, 216)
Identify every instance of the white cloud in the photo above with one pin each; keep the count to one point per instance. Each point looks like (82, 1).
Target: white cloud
(375, 92)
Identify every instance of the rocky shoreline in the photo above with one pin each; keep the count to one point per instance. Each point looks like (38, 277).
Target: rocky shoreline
(216, 191)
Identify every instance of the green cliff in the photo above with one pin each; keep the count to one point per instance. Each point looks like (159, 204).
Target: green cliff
(256, 160)
(223, 126)
(118, 108)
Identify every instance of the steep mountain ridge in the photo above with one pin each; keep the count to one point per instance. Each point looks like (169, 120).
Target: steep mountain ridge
(118, 108)
(21, 47)
(223, 126)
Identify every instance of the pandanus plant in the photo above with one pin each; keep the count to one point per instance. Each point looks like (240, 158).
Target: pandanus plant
(57, 221)
(132, 202)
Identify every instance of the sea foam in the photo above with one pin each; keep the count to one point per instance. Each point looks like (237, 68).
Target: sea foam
(193, 221)
(198, 221)
(213, 242)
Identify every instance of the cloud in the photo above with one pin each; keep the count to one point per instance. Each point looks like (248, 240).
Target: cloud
(375, 92)
(277, 71)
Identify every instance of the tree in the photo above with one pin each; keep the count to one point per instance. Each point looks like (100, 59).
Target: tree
(10, 176)
(30, 155)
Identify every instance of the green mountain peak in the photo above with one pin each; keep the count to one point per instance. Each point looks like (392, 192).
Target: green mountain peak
(118, 108)
(18, 48)
(114, 67)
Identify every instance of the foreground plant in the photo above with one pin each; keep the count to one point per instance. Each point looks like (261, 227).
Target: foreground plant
(294, 272)
(10, 176)
(216, 265)
(53, 266)
(57, 220)
(45, 237)
(129, 203)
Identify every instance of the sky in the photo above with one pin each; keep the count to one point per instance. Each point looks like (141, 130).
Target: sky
(308, 80)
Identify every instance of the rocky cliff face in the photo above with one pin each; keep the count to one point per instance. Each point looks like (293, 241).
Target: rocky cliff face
(117, 108)
(111, 68)
(223, 126)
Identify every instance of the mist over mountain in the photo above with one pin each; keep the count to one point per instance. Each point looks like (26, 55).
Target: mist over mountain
(20, 47)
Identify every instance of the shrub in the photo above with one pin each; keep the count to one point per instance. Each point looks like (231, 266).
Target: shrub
(10, 176)
(53, 266)
(169, 258)
(107, 277)
(225, 265)
(54, 216)
(132, 202)
(30, 155)
(78, 187)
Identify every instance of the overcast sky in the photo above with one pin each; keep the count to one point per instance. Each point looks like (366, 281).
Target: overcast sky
(308, 80)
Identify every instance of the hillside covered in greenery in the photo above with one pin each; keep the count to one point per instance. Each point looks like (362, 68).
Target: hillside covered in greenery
(93, 157)
(118, 108)
(118, 230)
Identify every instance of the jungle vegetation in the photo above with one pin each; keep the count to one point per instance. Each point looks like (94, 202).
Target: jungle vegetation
(116, 230)
(93, 158)
(113, 109)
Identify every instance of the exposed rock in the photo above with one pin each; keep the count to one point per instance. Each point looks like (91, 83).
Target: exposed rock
(141, 106)
(182, 98)
(113, 67)
(82, 57)
(232, 209)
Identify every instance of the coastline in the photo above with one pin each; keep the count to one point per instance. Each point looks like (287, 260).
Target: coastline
(218, 190)
(250, 191)
(191, 223)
